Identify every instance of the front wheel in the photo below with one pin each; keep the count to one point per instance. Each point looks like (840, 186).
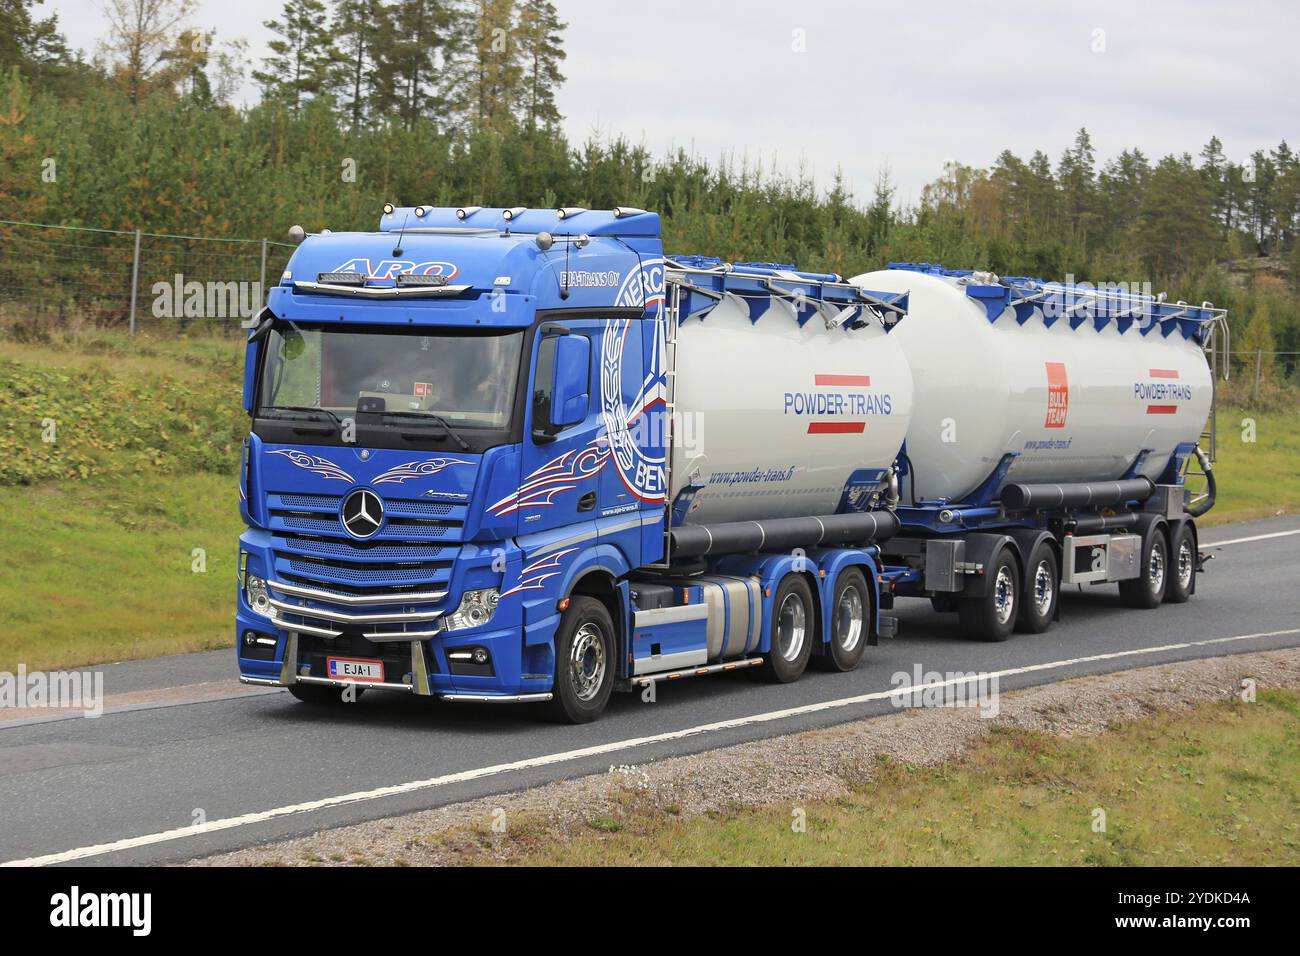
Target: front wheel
(992, 616)
(850, 623)
(584, 662)
(1182, 566)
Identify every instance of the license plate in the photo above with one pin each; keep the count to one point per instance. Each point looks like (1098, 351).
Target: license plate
(353, 668)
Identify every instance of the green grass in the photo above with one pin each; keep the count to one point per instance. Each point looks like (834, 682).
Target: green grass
(101, 570)
(1256, 478)
(1218, 787)
(99, 526)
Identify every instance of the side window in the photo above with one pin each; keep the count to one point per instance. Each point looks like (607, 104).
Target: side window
(542, 381)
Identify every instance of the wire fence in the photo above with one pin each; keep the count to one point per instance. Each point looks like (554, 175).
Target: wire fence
(69, 275)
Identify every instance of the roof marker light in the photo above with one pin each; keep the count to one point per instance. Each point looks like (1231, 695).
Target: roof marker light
(467, 211)
(508, 214)
(388, 209)
(622, 211)
(564, 212)
(419, 212)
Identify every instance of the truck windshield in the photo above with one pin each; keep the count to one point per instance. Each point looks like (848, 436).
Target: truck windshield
(465, 380)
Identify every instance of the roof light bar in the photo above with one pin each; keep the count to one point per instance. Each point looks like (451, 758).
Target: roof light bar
(341, 278)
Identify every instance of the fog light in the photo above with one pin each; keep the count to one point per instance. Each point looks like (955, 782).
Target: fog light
(480, 656)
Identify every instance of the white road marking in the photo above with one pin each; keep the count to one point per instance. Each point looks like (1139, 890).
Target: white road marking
(230, 823)
(1255, 537)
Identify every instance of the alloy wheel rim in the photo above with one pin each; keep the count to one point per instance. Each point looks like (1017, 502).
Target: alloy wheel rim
(848, 619)
(1004, 597)
(1044, 588)
(791, 625)
(1185, 564)
(1156, 568)
(587, 662)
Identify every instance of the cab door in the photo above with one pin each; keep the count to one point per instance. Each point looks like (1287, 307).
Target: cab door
(564, 449)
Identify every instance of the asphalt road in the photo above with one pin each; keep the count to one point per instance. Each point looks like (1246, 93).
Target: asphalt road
(182, 765)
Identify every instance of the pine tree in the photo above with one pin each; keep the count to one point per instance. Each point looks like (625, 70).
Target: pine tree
(492, 78)
(357, 28)
(33, 45)
(415, 39)
(540, 34)
(1075, 174)
(303, 58)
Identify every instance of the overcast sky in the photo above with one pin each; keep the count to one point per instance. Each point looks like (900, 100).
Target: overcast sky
(861, 85)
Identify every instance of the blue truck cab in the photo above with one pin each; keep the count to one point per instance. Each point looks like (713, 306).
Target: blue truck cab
(449, 486)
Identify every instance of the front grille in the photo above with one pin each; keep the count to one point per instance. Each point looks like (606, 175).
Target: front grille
(310, 501)
(414, 550)
(404, 575)
(362, 551)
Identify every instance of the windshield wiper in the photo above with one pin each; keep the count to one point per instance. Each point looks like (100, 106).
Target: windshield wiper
(333, 416)
(436, 419)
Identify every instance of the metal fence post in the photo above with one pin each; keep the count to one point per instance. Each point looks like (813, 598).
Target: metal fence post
(261, 288)
(135, 279)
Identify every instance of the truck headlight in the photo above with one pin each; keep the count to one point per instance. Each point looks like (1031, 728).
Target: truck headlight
(258, 598)
(476, 609)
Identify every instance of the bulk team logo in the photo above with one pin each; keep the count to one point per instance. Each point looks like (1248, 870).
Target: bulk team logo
(839, 405)
(1162, 392)
(1058, 395)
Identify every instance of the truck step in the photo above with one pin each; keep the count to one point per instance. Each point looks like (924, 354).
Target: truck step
(645, 680)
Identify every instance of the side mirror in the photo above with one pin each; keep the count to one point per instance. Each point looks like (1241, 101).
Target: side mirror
(570, 397)
(251, 352)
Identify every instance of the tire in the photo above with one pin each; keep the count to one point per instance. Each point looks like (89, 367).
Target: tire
(1042, 588)
(1182, 566)
(585, 651)
(322, 695)
(850, 623)
(992, 616)
(1147, 590)
(793, 630)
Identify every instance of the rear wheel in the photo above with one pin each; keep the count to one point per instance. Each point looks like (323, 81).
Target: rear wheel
(850, 623)
(1147, 590)
(1182, 566)
(1038, 602)
(992, 616)
(793, 630)
(584, 662)
(323, 695)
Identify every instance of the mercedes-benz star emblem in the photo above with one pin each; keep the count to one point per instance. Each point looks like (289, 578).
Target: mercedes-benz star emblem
(362, 513)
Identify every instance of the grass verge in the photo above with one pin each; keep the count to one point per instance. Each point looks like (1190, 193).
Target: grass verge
(1258, 468)
(104, 570)
(1217, 786)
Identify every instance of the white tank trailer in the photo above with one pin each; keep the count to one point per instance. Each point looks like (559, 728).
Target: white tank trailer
(777, 417)
(1072, 402)
(1051, 429)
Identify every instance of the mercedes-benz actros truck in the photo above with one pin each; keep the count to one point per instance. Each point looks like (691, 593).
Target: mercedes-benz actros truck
(510, 455)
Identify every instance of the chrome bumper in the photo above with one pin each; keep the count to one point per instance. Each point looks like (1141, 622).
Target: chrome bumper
(419, 685)
(280, 608)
